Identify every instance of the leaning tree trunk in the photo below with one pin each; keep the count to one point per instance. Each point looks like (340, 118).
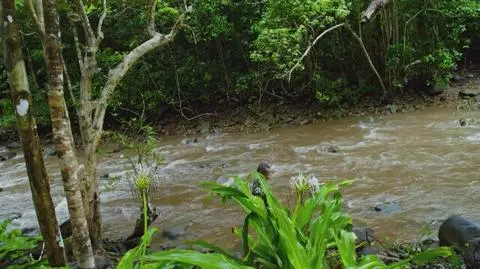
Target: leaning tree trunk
(63, 137)
(27, 129)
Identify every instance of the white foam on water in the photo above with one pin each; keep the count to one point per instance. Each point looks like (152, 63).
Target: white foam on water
(175, 163)
(217, 148)
(306, 149)
(475, 137)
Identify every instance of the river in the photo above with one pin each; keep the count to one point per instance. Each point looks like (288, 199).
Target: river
(423, 161)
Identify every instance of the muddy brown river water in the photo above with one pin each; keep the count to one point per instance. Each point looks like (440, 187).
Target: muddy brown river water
(423, 162)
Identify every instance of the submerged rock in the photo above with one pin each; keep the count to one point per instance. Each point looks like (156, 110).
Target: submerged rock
(333, 149)
(189, 141)
(15, 215)
(5, 156)
(467, 122)
(14, 145)
(176, 231)
(30, 231)
(225, 180)
(387, 207)
(51, 151)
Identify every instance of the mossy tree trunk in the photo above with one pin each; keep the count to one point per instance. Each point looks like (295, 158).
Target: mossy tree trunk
(27, 130)
(62, 134)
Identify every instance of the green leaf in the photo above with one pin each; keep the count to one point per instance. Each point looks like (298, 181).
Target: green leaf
(203, 260)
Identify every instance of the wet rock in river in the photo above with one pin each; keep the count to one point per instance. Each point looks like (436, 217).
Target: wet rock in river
(225, 180)
(176, 231)
(387, 207)
(371, 251)
(464, 236)
(15, 215)
(333, 149)
(14, 145)
(469, 93)
(5, 156)
(467, 122)
(363, 234)
(306, 121)
(1, 189)
(30, 231)
(51, 151)
(392, 108)
(189, 141)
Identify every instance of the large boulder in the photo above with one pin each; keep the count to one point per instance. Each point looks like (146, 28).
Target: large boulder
(464, 236)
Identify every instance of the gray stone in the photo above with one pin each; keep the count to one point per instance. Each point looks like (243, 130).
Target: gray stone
(176, 231)
(392, 108)
(371, 251)
(468, 93)
(51, 151)
(456, 77)
(225, 180)
(15, 215)
(387, 207)
(333, 149)
(364, 235)
(306, 121)
(30, 231)
(467, 122)
(5, 156)
(14, 145)
(189, 141)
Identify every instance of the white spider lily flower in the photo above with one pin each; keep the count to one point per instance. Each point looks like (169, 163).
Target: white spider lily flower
(301, 183)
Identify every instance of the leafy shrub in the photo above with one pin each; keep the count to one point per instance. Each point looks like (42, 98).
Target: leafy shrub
(316, 234)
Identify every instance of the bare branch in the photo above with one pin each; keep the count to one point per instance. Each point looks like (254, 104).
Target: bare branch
(116, 74)
(311, 46)
(36, 20)
(100, 22)
(151, 19)
(39, 9)
(68, 81)
(380, 80)
(77, 47)
(87, 27)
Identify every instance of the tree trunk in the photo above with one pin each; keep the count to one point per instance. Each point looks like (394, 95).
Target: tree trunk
(63, 137)
(92, 195)
(92, 127)
(27, 129)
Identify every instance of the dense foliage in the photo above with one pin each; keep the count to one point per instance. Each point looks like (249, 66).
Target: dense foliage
(315, 234)
(237, 52)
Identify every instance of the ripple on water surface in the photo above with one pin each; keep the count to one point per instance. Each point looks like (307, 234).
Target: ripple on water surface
(422, 161)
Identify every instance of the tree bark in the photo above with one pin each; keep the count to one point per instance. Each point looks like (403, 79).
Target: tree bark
(374, 6)
(63, 137)
(27, 129)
